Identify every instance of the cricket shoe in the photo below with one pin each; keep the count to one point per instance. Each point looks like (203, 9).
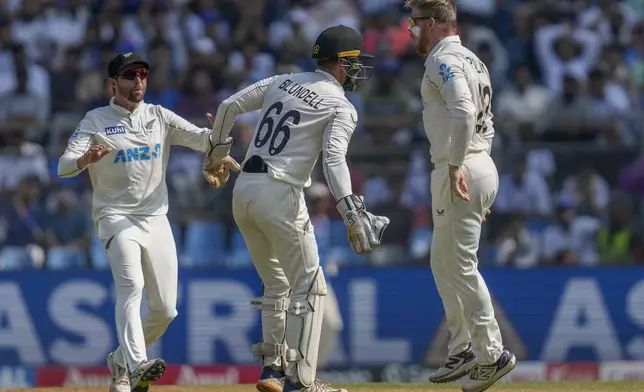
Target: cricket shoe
(318, 386)
(271, 380)
(120, 380)
(146, 373)
(455, 367)
(484, 376)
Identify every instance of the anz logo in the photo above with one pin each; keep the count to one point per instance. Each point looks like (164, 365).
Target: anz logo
(143, 153)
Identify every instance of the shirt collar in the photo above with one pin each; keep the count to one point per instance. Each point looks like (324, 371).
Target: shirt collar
(442, 43)
(329, 77)
(123, 111)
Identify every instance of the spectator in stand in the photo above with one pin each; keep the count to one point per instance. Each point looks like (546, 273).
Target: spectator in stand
(24, 217)
(565, 118)
(570, 240)
(523, 102)
(523, 191)
(64, 80)
(562, 49)
(389, 107)
(395, 242)
(517, 246)
(22, 109)
(67, 230)
(200, 99)
(588, 191)
(616, 239)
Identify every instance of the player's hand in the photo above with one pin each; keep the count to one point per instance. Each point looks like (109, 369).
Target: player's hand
(487, 213)
(93, 155)
(457, 183)
(364, 230)
(216, 170)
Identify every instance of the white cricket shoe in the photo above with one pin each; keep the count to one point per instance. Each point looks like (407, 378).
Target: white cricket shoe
(455, 367)
(271, 380)
(318, 386)
(146, 373)
(120, 380)
(484, 376)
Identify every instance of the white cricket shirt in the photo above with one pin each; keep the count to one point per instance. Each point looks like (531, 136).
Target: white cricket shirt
(301, 115)
(457, 100)
(130, 180)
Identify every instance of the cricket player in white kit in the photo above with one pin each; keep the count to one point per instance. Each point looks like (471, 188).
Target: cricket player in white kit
(457, 93)
(125, 147)
(302, 115)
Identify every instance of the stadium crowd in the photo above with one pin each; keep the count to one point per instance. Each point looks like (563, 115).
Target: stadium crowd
(569, 91)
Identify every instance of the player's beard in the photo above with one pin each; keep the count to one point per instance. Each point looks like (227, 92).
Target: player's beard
(132, 94)
(421, 43)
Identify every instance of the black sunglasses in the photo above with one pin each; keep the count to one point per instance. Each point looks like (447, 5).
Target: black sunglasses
(413, 19)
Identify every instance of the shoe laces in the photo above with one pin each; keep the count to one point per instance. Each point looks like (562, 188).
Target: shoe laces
(321, 386)
(120, 375)
(482, 372)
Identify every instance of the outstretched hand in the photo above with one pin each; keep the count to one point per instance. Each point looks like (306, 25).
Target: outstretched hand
(93, 155)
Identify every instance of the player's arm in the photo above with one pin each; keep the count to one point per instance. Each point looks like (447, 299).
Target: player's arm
(184, 133)
(247, 100)
(337, 136)
(217, 162)
(80, 151)
(364, 229)
(448, 75)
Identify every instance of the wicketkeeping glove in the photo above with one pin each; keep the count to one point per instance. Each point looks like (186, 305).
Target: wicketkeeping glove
(218, 164)
(364, 229)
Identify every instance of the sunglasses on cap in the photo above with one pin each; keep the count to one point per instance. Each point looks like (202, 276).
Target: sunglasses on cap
(132, 74)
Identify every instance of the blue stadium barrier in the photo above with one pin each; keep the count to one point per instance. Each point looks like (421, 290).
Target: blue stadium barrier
(390, 315)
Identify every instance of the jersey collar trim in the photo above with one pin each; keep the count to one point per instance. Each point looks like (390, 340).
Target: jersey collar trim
(330, 77)
(123, 111)
(442, 43)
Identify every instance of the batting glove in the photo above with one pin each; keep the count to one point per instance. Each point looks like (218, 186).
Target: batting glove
(364, 230)
(218, 164)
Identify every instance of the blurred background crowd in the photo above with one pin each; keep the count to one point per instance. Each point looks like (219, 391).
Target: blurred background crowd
(568, 78)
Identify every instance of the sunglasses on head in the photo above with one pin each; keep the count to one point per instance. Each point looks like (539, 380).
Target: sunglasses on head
(132, 74)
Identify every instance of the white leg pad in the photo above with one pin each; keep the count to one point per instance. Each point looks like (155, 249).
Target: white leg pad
(303, 329)
(273, 346)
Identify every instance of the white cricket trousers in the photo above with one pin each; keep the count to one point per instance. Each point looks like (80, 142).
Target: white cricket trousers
(455, 242)
(274, 221)
(142, 254)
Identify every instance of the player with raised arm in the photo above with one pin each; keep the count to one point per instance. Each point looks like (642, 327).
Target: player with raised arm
(302, 114)
(456, 93)
(125, 146)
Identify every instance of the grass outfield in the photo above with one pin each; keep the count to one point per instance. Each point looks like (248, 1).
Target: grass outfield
(382, 387)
